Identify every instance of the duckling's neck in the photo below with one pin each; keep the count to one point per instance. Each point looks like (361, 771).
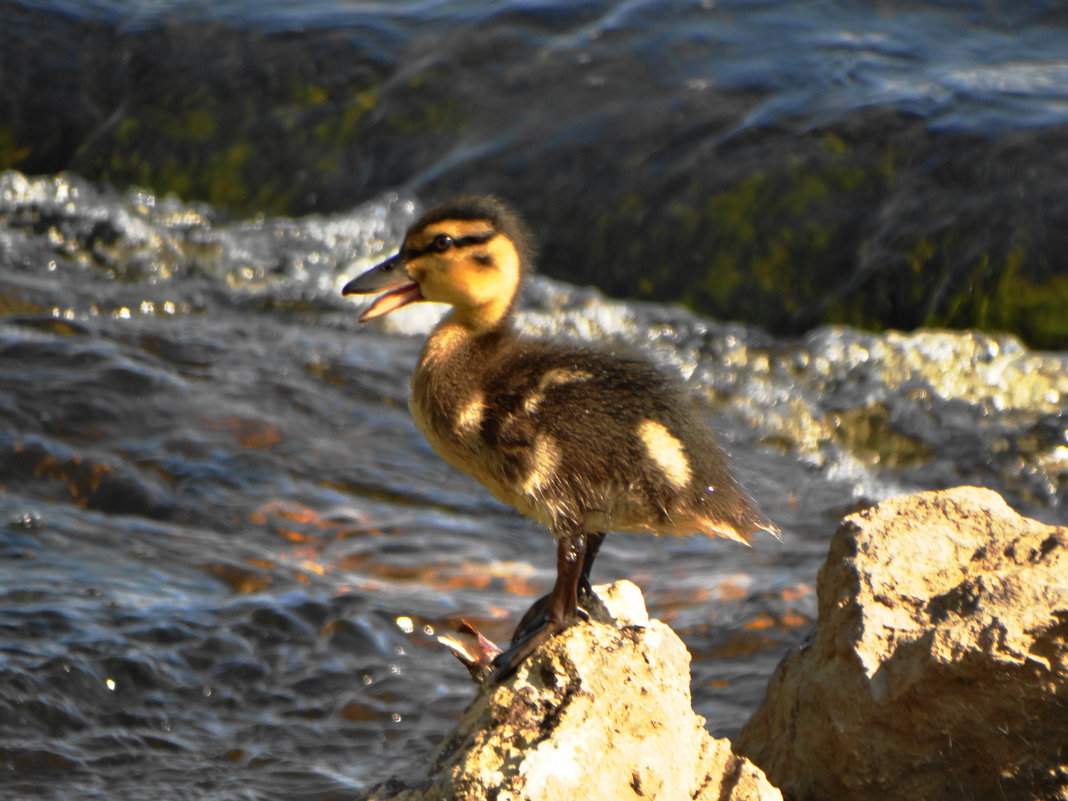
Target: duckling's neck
(480, 319)
(458, 337)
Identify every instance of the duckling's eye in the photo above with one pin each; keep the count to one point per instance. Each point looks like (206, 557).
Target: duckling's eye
(441, 243)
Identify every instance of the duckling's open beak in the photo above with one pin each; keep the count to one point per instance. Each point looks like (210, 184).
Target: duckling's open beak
(389, 275)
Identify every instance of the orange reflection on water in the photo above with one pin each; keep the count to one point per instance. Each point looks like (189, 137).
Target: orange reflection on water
(733, 588)
(239, 579)
(787, 619)
(741, 644)
(247, 432)
(796, 592)
(297, 523)
(357, 712)
(311, 534)
(82, 477)
(515, 578)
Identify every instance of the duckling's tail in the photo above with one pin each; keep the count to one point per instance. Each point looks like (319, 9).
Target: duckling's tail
(743, 531)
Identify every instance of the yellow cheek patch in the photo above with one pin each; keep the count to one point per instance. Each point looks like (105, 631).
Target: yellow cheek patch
(666, 451)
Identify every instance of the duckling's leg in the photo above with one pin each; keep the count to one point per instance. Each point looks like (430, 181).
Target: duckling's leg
(593, 545)
(535, 616)
(562, 609)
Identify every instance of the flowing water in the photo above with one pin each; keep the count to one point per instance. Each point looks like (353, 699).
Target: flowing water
(225, 552)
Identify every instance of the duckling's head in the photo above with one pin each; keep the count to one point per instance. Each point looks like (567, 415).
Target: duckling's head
(471, 252)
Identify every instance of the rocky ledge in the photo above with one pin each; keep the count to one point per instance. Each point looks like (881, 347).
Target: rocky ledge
(939, 665)
(938, 669)
(602, 711)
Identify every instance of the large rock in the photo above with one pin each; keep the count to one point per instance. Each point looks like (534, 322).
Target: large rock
(875, 216)
(602, 711)
(939, 668)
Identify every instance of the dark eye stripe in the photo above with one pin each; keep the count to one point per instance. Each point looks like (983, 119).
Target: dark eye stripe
(473, 239)
(456, 242)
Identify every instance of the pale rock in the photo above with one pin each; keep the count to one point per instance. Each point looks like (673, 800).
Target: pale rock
(939, 666)
(601, 711)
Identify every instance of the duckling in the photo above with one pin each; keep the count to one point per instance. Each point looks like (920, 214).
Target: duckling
(579, 439)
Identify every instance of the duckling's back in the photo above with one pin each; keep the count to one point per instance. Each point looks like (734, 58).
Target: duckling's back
(578, 439)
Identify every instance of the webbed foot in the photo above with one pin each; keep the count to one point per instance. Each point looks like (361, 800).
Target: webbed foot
(558, 610)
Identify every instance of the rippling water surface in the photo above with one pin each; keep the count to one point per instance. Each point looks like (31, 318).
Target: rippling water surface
(224, 550)
(970, 64)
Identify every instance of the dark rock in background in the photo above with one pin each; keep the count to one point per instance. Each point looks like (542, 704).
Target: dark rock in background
(641, 172)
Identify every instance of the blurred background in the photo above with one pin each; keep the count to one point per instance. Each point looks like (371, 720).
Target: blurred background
(225, 553)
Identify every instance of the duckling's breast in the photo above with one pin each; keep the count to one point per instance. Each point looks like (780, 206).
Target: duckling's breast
(451, 425)
(448, 406)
